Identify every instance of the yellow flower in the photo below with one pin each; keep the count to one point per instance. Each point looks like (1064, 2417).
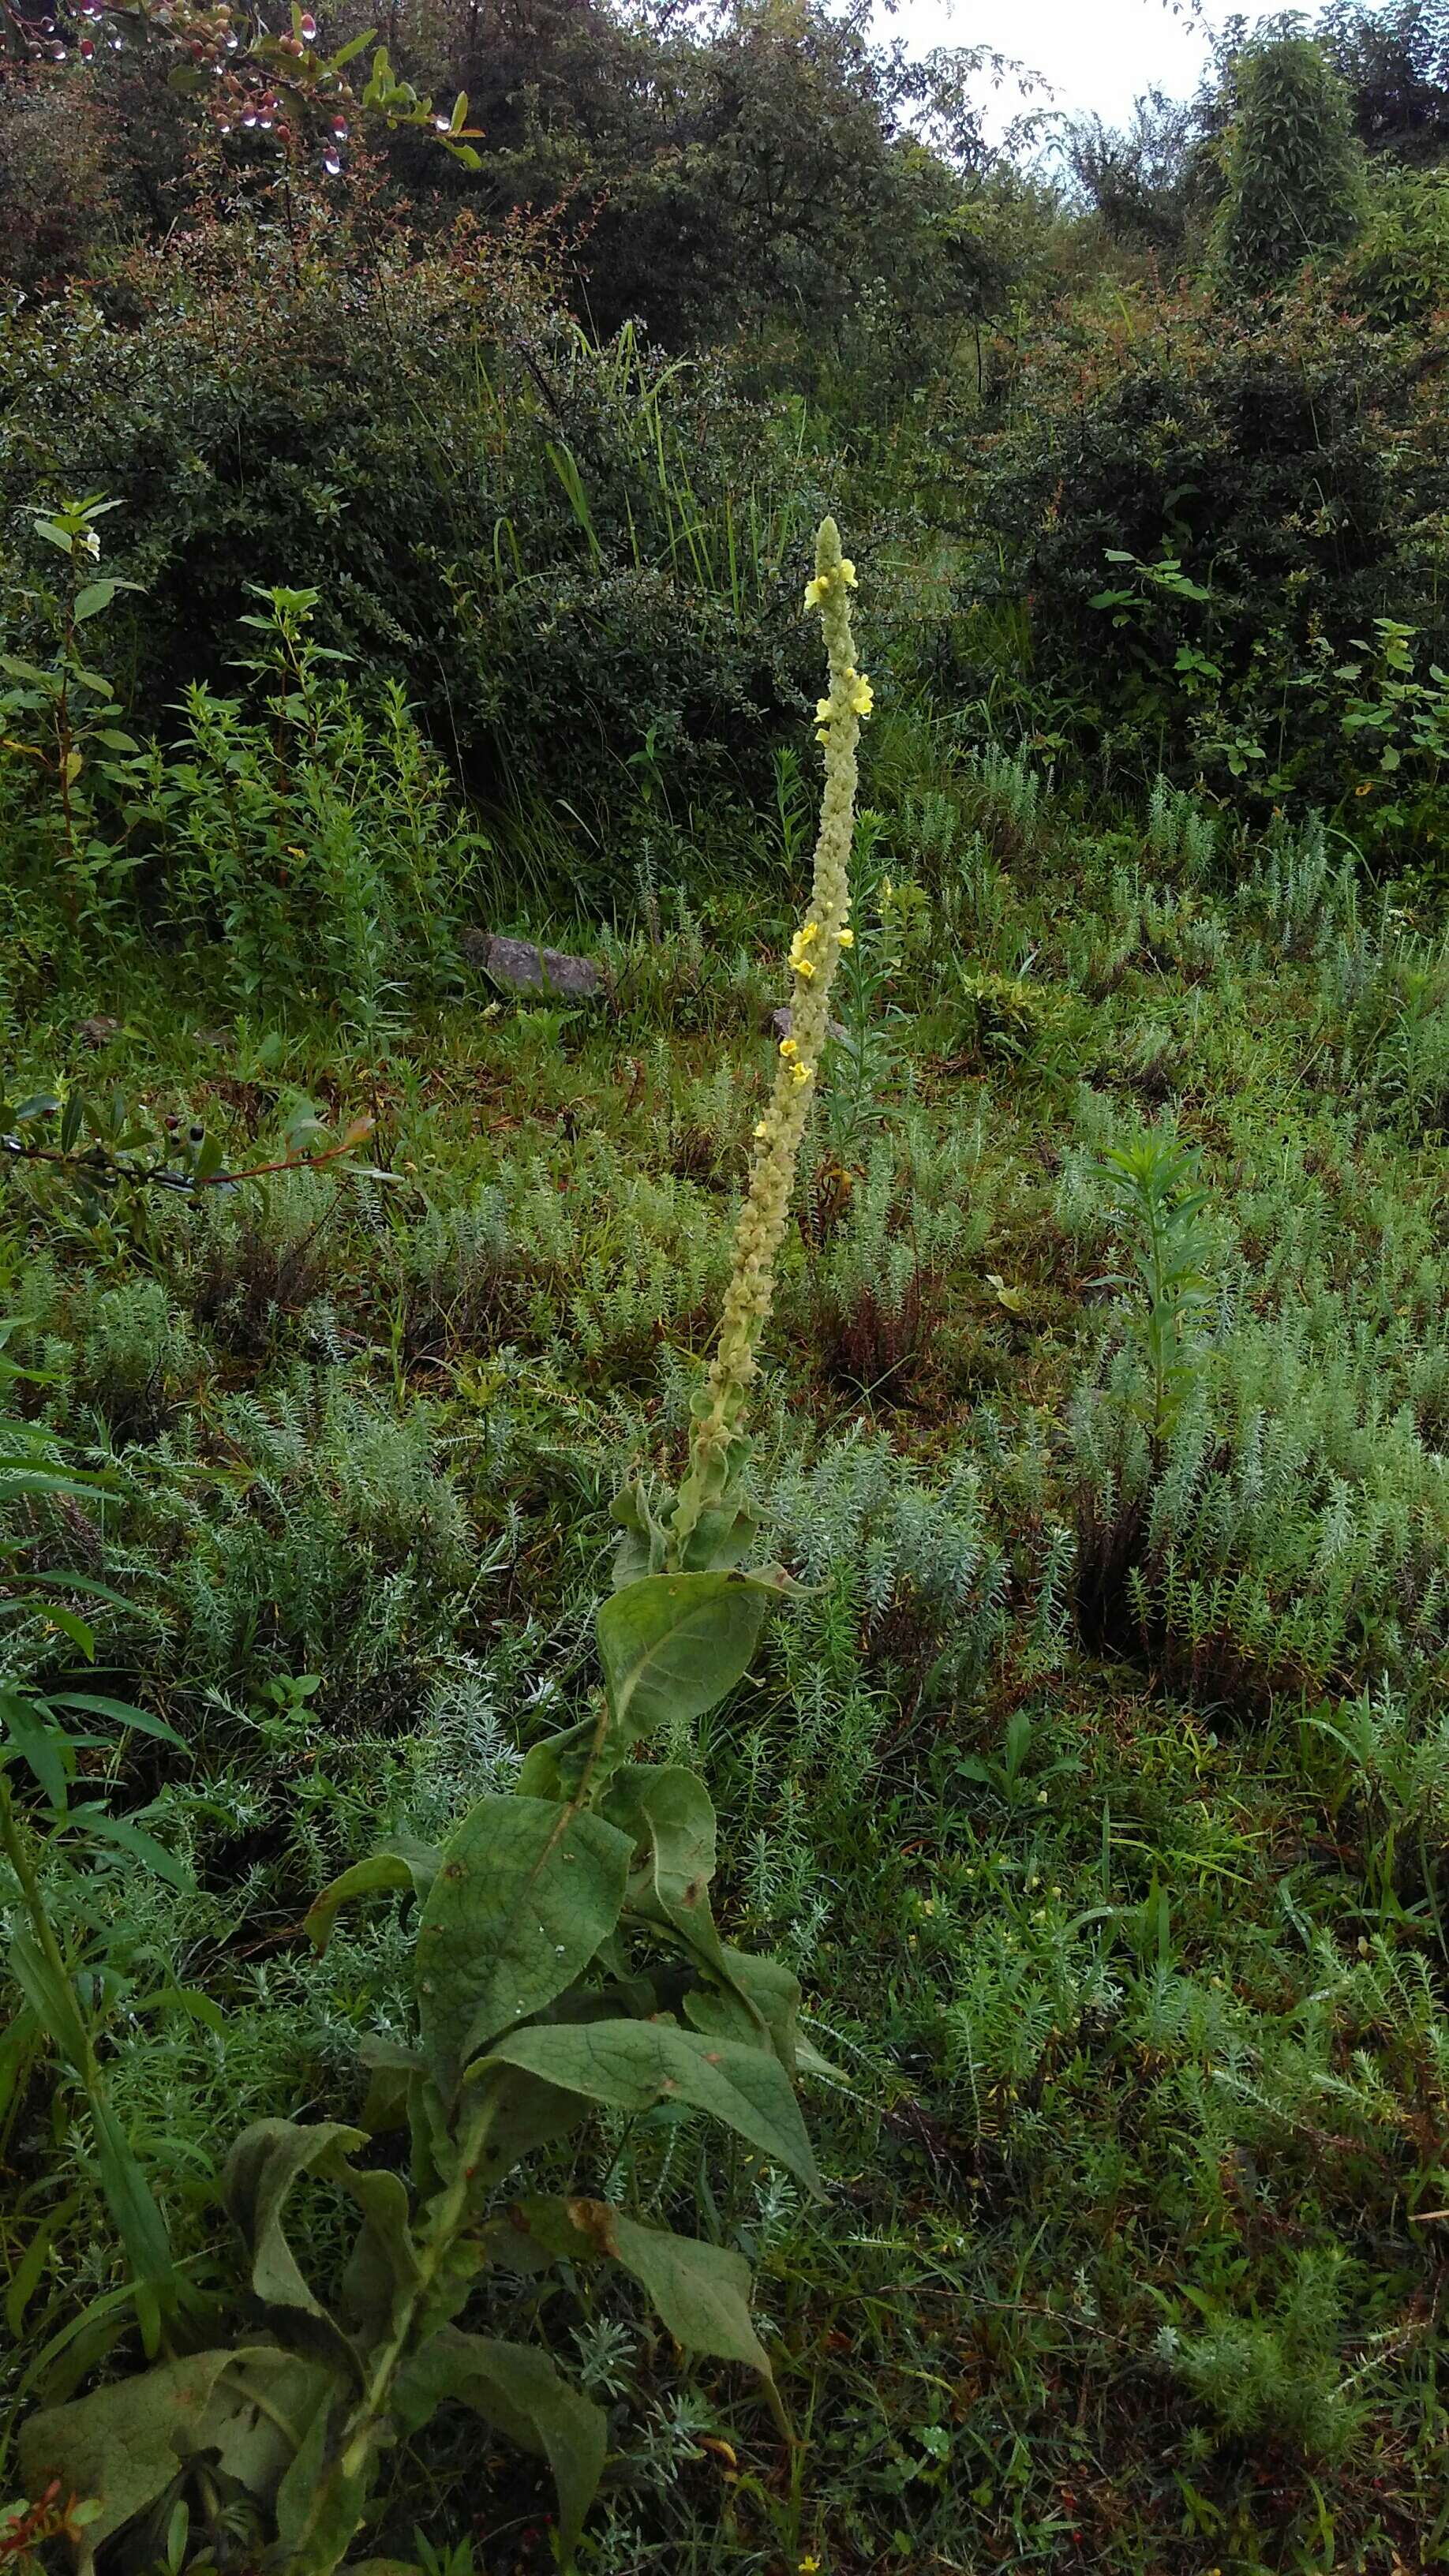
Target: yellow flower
(862, 698)
(718, 1408)
(762, 1129)
(847, 572)
(809, 2567)
(822, 711)
(845, 938)
(887, 890)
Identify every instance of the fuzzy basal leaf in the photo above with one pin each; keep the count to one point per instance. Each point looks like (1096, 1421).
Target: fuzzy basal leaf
(123, 2446)
(701, 2292)
(673, 1644)
(517, 2389)
(398, 1864)
(267, 2160)
(635, 2066)
(524, 1897)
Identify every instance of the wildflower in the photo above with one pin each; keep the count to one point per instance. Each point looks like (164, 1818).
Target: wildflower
(862, 698)
(719, 1406)
(845, 938)
(809, 2567)
(801, 963)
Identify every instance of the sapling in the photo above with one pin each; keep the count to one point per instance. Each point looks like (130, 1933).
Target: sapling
(566, 1956)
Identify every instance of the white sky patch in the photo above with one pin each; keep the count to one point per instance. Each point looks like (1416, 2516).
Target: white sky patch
(1098, 55)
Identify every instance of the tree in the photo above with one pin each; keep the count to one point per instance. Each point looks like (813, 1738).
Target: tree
(1293, 168)
(1396, 63)
(1142, 180)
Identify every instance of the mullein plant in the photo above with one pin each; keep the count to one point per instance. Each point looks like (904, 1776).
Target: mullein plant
(565, 1957)
(702, 1516)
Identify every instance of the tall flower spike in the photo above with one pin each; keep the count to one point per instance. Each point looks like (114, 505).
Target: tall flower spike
(814, 955)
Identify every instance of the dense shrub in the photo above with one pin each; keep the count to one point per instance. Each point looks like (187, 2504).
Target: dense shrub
(564, 548)
(1190, 499)
(1398, 271)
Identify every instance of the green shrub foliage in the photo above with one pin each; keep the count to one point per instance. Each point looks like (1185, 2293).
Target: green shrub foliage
(1293, 181)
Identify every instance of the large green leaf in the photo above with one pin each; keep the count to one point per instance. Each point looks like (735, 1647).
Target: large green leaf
(398, 1864)
(673, 1644)
(383, 2266)
(265, 2163)
(526, 1893)
(516, 2388)
(259, 2413)
(702, 2292)
(754, 1999)
(666, 1812)
(560, 1766)
(321, 2499)
(391, 2071)
(643, 1545)
(122, 2446)
(632, 2066)
(526, 2112)
(723, 1533)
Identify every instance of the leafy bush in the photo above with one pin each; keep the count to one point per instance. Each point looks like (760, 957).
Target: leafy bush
(563, 549)
(1398, 271)
(316, 845)
(1269, 484)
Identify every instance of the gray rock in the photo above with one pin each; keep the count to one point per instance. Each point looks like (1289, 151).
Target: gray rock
(520, 967)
